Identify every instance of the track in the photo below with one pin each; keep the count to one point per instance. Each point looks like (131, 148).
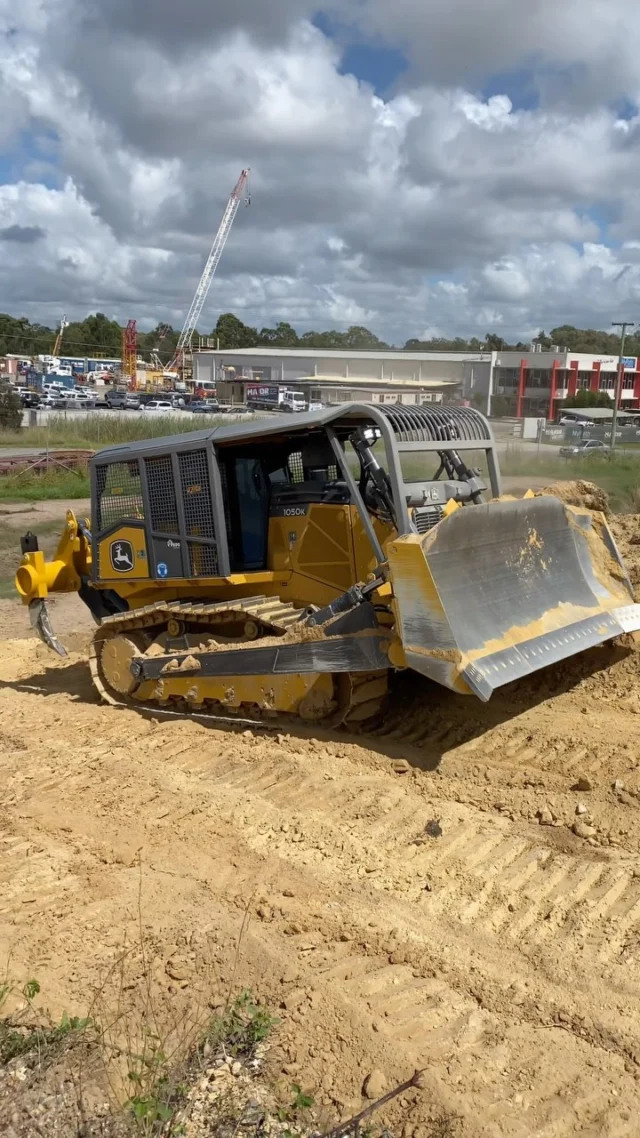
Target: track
(406, 906)
(182, 626)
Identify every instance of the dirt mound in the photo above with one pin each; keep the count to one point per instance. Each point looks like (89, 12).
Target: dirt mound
(626, 530)
(582, 494)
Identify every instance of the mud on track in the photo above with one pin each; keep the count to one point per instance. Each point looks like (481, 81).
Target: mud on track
(501, 954)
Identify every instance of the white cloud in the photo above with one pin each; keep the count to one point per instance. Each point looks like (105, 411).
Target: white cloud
(582, 50)
(433, 207)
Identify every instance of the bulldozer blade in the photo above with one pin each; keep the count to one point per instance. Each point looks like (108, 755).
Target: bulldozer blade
(40, 620)
(500, 590)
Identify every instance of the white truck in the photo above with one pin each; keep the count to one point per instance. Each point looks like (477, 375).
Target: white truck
(269, 398)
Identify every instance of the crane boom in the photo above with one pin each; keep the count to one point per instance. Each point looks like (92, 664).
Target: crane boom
(197, 304)
(64, 323)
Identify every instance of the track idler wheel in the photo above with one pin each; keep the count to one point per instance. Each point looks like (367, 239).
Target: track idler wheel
(115, 662)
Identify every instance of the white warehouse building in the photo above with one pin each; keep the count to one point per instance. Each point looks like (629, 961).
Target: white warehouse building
(341, 375)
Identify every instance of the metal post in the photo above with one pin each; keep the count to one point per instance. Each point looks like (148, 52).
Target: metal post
(623, 324)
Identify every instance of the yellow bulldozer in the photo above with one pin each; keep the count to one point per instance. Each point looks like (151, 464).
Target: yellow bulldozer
(284, 567)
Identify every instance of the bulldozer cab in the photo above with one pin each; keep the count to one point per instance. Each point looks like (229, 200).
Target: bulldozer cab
(315, 496)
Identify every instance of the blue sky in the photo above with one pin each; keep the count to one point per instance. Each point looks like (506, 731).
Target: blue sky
(32, 156)
(374, 63)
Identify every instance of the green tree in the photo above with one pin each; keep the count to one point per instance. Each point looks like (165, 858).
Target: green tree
(586, 398)
(282, 336)
(232, 333)
(494, 343)
(362, 339)
(163, 339)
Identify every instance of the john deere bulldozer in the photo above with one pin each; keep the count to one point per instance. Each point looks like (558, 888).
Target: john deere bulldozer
(285, 567)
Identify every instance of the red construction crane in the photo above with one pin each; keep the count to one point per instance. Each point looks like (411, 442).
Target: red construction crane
(130, 354)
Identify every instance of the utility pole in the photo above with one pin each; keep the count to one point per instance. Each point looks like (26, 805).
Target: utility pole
(623, 325)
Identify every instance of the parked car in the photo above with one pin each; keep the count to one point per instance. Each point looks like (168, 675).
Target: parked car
(586, 447)
(205, 407)
(28, 398)
(80, 398)
(568, 421)
(53, 399)
(116, 400)
(132, 402)
(160, 405)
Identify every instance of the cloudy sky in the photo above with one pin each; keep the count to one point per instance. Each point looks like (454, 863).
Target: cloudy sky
(419, 166)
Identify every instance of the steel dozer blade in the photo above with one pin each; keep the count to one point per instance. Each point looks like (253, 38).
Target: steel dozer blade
(40, 620)
(499, 590)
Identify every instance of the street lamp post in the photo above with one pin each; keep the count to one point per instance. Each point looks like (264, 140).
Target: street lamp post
(623, 325)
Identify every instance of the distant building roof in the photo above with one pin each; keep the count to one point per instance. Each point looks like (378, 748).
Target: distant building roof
(374, 381)
(342, 353)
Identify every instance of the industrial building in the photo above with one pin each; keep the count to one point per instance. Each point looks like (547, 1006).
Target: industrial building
(332, 376)
(536, 383)
(533, 383)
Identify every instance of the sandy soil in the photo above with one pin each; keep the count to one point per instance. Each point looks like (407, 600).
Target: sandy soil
(417, 898)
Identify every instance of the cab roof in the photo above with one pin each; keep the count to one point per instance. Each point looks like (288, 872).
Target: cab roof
(271, 426)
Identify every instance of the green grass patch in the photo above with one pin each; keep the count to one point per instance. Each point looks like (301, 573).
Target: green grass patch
(31, 1032)
(619, 475)
(51, 484)
(105, 428)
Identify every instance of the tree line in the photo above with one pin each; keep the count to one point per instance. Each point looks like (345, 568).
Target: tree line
(99, 336)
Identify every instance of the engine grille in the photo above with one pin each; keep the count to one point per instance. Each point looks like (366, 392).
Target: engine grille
(426, 517)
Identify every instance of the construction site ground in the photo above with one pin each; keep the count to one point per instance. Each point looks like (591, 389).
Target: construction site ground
(458, 891)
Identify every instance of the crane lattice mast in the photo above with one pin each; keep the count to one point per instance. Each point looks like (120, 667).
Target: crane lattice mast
(64, 323)
(130, 354)
(197, 304)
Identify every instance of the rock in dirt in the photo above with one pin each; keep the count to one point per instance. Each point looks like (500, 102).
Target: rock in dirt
(618, 784)
(545, 818)
(581, 808)
(583, 784)
(375, 1085)
(581, 830)
(178, 968)
(294, 998)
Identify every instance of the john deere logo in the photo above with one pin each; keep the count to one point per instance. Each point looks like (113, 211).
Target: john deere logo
(121, 553)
